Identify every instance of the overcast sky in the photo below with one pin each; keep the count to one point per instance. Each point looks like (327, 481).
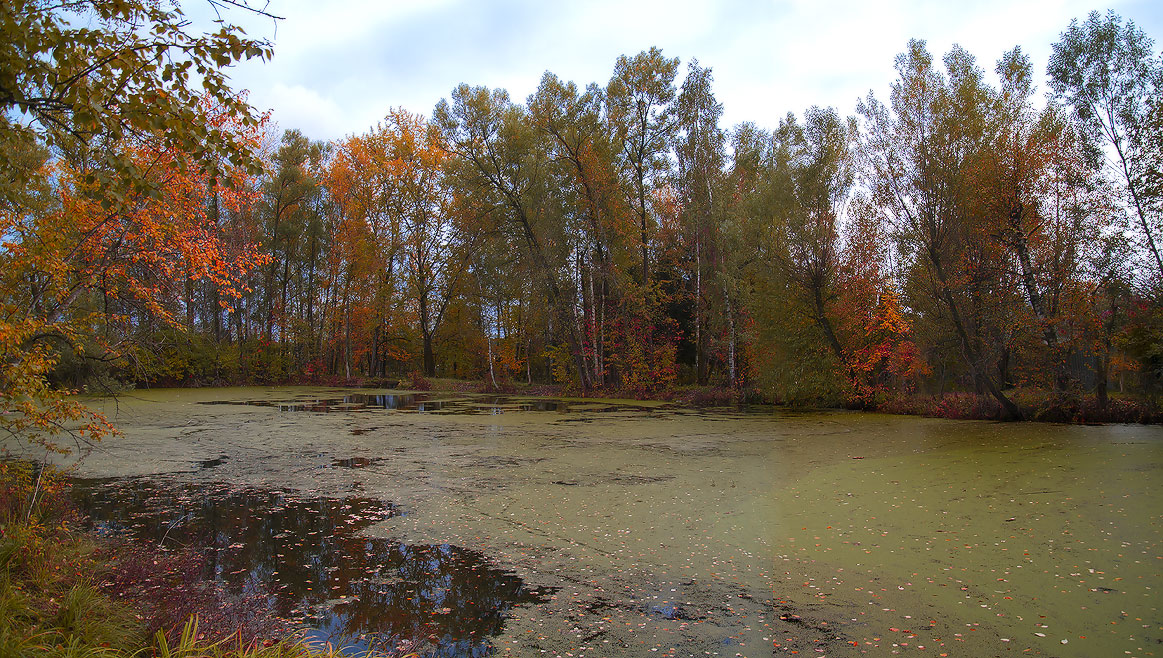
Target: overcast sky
(340, 65)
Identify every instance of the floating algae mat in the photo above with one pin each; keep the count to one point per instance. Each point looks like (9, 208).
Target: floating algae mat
(600, 528)
(340, 401)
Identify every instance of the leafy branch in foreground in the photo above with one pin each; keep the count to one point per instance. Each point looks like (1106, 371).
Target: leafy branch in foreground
(118, 131)
(93, 73)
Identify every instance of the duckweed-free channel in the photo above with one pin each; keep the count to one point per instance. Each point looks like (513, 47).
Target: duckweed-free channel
(480, 525)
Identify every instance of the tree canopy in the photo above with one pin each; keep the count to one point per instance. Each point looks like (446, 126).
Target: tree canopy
(959, 238)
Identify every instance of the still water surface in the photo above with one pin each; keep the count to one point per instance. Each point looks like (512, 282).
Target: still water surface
(481, 525)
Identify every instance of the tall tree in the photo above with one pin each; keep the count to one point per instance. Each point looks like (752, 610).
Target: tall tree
(817, 161)
(1111, 76)
(917, 156)
(289, 199)
(432, 247)
(503, 160)
(699, 181)
(578, 141)
(639, 97)
(368, 226)
(1033, 183)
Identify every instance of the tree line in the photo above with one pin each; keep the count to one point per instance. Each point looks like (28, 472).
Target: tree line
(960, 235)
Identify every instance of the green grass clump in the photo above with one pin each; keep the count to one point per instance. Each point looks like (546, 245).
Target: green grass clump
(187, 645)
(49, 603)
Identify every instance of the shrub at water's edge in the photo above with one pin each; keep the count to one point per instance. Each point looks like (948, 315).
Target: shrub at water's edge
(1036, 405)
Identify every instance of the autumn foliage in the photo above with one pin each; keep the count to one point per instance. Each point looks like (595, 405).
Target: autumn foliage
(957, 240)
(82, 272)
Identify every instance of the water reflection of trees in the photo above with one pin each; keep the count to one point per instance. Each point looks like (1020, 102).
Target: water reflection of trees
(305, 555)
(361, 402)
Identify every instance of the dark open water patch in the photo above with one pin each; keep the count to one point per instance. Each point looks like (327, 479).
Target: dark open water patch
(349, 402)
(213, 463)
(356, 462)
(306, 556)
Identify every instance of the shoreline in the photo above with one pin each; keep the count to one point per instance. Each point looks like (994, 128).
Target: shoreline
(1037, 405)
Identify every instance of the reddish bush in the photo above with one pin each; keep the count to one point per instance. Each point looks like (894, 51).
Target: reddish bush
(1036, 405)
(167, 586)
(503, 386)
(420, 382)
(713, 397)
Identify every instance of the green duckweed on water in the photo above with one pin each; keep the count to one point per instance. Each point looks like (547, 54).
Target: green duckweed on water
(609, 529)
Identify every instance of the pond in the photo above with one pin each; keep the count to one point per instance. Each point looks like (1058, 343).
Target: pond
(479, 525)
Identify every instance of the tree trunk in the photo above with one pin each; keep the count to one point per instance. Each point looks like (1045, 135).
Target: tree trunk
(347, 342)
(189, 285)
(375, 367)
(429, 356)
(489, 343)
(701, 369)
(1139, 212)
(1037, 304)
(1102, 358)
(268, 292)
(284, 310)
(731, 338)
(645, 236)
(825, 324)
(314, 254)
(1009, 409)
(554, 296)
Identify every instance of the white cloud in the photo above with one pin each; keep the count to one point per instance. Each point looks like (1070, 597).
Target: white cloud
(339, 66)
(295, 106)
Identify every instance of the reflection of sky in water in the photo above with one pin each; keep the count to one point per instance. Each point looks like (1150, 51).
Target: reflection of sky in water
(306, 556)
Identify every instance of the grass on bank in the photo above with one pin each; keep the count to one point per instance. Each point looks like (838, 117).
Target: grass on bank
(61, 595)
